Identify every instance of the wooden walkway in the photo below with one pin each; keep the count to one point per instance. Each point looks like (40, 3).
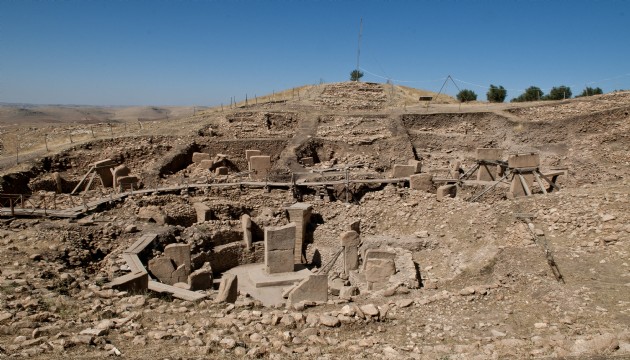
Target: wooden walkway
(88, 206)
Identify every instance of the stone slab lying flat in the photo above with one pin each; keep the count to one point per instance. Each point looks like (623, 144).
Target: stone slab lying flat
(261, 279)
(176, 292)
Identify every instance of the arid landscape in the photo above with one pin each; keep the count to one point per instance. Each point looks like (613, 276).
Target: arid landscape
(420, 254)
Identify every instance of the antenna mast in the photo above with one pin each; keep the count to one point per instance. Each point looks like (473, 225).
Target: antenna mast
(359, 47)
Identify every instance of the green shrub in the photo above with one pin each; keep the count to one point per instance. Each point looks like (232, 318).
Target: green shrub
(496, 94)
(356, 75)
(589, 91)
(559, 93)
(466, 95)
(532, 93)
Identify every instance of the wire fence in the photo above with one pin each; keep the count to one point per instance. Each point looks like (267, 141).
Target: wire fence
(17, 142)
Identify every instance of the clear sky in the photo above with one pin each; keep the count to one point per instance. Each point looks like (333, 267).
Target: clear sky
(126, 52)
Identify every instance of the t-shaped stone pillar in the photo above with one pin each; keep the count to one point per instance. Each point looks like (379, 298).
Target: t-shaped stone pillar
(523, 165)
(350, 242)
(488, 172)
(300, 214)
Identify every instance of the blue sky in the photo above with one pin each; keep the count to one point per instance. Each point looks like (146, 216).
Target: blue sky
(204, 52)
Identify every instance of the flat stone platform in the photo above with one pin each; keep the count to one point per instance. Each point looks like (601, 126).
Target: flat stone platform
(267, 288)
(261, 279)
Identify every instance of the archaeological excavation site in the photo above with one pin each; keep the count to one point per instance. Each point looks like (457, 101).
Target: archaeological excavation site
(337, 221)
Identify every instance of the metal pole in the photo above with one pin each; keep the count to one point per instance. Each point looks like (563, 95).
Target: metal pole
(359, 49)
(347, 186)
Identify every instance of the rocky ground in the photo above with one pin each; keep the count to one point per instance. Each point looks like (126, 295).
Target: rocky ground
(487, 289)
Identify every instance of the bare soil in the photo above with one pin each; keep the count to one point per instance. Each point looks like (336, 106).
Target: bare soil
(487, 289)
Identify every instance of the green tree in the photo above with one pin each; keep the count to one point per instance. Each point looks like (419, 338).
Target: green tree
(496, 94)
(559, 93)
(589, 91)
(532, 93)
(356, 75)
(466, 95)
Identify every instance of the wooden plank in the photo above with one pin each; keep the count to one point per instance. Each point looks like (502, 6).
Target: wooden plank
(542, 186)
(524, 183)
(82, 180)
(134, 262)
(175, 291)
(89, 184)
(552, 183)
(554, 173)
(140, 244)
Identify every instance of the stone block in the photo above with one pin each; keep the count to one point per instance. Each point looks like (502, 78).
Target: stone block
(204, 213)
(180, 274)
(347, 292)
(153, 213)
(378, 254)
(162, 268)
(349, 238)
(313, 289)
(228, 289)
(445, 191)
(417, 164)
(179, 253)
(401, 171)
(137, 281)
(128, 182)
(422, 182)
(201, 279)
(260, 166)
(529, 160)
(246, 224)
(307, 161)
(250, 153)
(355, 226)
(58, 182)
(221, 170)
(117, 172)
(455, 169)
(206, 164)
(489, 154)
(103, 169)
(280, 249)
(488, 172)
(300, 214)
(197, 157)
(279, 261)
(350, 259)
(350, 242)
(378, 271)
(280, 238)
